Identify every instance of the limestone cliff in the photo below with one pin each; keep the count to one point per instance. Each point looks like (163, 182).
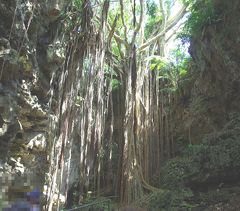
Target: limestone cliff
(30, 52)
(206, 116)
(209, 99)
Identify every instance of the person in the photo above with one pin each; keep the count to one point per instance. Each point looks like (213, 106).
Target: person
(34, 199)
(31, 204)
(18, 205)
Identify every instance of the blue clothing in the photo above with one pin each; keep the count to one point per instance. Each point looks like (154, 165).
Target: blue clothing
(22, 206)
(19, 206)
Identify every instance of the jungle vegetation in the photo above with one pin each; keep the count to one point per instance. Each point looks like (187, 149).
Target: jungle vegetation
(129, 60)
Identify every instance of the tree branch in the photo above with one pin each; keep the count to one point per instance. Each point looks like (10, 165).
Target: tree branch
(170, 23)
(123, 22)
(111, 33)
(138, 27)
(117, 37)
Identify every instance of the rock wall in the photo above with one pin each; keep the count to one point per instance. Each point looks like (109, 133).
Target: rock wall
(210, 98)
(206, 120)
(30, 52)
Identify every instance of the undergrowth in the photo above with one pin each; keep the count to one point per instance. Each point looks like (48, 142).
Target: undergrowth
(201, 13)
(204, 174)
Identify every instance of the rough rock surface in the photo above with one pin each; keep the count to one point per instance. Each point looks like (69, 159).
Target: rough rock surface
(30, 52)
(207, 102)
(206, 115)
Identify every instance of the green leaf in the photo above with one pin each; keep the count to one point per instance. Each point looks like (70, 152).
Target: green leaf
(183, 73)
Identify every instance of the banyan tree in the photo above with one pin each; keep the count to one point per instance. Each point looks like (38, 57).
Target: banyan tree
(110, 131)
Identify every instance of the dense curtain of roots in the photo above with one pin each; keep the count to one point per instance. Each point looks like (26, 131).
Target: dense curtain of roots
(122, 135)
(83, 94)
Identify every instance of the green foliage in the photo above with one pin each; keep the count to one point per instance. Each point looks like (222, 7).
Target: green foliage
(151, 25)
(112, 77)
(154, 17)
(171, 200)
(12, 57)
(115, 49)
(216, 157)
(77, 4)
(177, 170)
(203, 162)
(205, 165)
(157, 63)
(26, 64)
(115, 84)
(71, 18)
(78, 101)
(115, 10)
(201, 13)
(151, 7)
(173, 70)
(215, 196)
(96, 204)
